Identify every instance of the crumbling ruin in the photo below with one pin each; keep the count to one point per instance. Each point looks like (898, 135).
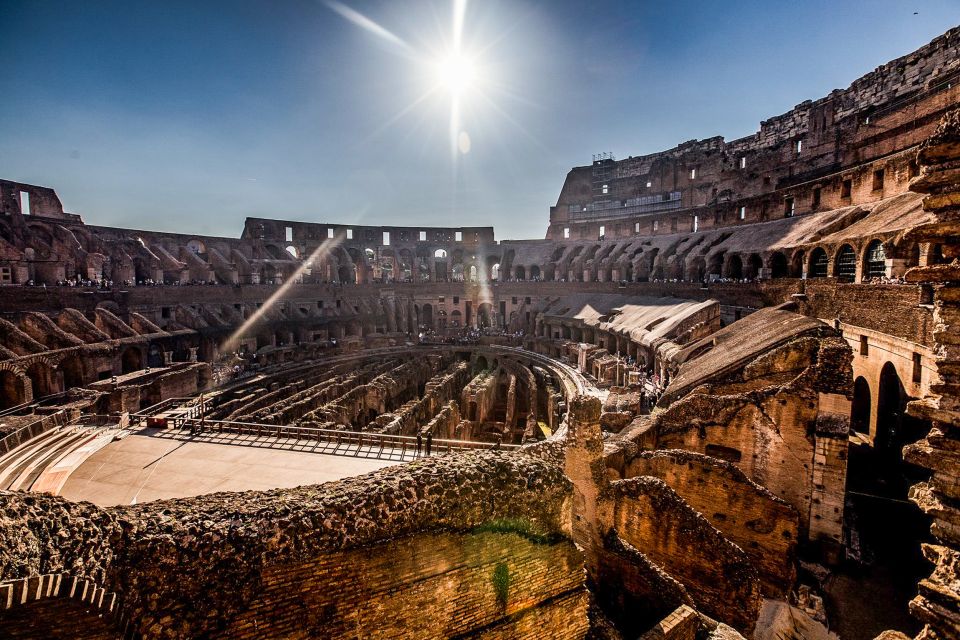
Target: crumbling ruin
(674, 417)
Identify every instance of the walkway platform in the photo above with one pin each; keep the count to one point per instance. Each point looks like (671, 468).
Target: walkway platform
(151, 464)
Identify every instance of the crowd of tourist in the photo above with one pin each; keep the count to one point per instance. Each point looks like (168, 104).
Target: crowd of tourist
(468, 335)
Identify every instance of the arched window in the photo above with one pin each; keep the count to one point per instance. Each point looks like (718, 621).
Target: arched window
(876, 260)
(846, 268)
(778, 265)
(735, 267)
(818, 264)
(292, 250)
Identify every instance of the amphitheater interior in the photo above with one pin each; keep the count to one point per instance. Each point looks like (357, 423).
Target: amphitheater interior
(718, 399)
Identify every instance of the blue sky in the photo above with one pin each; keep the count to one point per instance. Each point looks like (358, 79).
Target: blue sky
(190, 116)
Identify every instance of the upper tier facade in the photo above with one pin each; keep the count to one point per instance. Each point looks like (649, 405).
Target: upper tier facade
(854, 146)
(819, 192)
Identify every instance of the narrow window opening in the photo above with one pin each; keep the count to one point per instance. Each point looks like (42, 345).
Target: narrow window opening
(846, 188)
(799, 146)
(743, 213)
(864, 346)
(816, 198)
(386, 238)
(743, 162)
(878, 180)
(696, 223)
(330, 233)
(789, 207)
(349, 234)
(693, 174)
(423, 236)
(602, 231)
(288, 236)
(25, 203)
(917, 369)
(458, 236)
(636, 227)
(566, 233)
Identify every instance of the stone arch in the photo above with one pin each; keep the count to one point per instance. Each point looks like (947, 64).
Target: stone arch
(778, 265)
(73, 372)
(861, 407)
(797, 262)
(819, 261)
(875, 260)
(534, 272)
(697, 269)
(131, 359)
(155, 356)
(753, 267)
(733, 267)
(890, 405)
(715, 266)
(90, 605)
(196, 246)
(43, 378)
(845, 264)
(519, 272)
(14, 388)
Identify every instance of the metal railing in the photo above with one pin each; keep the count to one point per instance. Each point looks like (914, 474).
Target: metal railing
(360, 443)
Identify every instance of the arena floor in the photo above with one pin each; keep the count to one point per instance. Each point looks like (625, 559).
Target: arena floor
(148, 466)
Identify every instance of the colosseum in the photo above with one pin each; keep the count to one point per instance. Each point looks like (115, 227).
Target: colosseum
(719, 399)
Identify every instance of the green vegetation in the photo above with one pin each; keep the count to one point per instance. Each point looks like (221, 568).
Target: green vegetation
(501, 583)
(518, 526)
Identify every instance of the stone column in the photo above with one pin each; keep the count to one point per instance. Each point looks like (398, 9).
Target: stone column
(938, 601)
(584, 466)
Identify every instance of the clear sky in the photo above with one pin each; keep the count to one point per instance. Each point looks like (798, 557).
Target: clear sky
(188, 116)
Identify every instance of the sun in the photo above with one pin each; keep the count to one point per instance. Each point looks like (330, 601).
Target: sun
(456, 73)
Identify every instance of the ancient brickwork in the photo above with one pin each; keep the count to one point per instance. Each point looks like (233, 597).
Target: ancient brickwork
(224, 545)
(761, 524)
(938, 601)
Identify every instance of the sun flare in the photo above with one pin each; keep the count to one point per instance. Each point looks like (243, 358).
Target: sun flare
(456, 73)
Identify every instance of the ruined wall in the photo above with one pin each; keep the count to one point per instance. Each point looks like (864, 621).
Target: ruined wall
(484, 585)
(723, 582)
(805, 155)
(761, 524)
(237, 555)
(938, 599)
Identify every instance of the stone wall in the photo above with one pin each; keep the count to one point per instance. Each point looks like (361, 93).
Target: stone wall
(477, 585)
(761, 524)
(193, 566)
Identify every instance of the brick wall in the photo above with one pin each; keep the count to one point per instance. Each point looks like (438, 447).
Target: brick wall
(764, 526)
(427, 586)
